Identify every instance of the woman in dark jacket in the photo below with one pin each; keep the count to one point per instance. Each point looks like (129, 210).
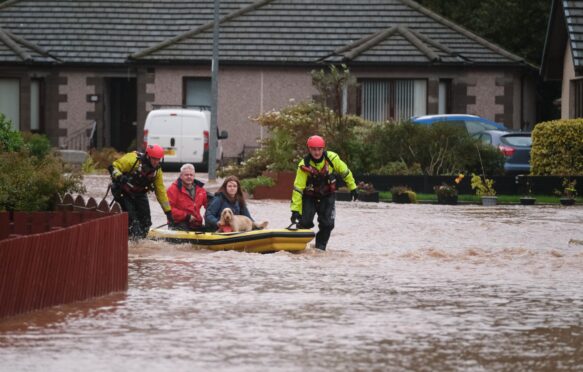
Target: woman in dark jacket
(229, 195)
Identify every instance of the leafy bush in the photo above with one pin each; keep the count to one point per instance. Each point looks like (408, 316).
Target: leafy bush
(569, 191)
(31, 176)
(403, 194)
(436, 149)
(102, 158)
(38, 144)
(557, 148)
(88, 166)
(483, 186)
(289, 129)
(31, 184)
(252, 167)
(10, 140)
(399, 168)
(249, 184)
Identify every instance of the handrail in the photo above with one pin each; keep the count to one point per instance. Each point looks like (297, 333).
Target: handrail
(81, 139)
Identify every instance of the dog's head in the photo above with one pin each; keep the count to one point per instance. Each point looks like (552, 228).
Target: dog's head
(227, 215)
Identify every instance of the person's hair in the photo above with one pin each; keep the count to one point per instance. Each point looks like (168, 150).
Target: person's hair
(187, 166)
(239, 195)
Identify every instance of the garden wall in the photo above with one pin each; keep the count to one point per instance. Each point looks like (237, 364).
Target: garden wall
(504, 185)
(507, 185)
(52, 258)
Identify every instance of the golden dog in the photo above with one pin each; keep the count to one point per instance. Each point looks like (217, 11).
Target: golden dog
(238, 223)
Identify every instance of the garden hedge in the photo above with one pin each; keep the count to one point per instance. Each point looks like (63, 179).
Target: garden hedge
(557, 148)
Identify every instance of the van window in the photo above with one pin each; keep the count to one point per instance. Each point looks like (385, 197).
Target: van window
(198, 92)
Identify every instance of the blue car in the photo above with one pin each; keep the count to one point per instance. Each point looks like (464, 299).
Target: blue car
(472, 123)
(515, 146)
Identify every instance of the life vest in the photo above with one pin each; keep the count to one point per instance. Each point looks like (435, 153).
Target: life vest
(141, 176)
(321, 182)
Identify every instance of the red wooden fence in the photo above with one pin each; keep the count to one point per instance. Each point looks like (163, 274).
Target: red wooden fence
(51, 258)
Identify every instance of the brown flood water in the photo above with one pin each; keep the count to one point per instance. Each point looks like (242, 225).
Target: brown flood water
(402, 287)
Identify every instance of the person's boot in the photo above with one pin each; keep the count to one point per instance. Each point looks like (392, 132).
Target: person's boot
(321, 247)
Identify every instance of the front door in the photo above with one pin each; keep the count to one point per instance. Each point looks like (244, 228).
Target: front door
(123, 113)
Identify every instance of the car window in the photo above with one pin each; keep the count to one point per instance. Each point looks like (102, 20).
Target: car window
(484, 137)
(452, 123)
(524, 141)
(455, 126)
(474, 126)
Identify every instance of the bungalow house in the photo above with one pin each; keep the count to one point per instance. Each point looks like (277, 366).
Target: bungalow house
(67, 63)
(563, 55)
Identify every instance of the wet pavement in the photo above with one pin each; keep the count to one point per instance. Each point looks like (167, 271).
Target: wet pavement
(401, 287)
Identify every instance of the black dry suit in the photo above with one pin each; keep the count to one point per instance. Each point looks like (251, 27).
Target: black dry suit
(133, 176)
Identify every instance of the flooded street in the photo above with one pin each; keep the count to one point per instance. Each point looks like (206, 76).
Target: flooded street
(401, 287)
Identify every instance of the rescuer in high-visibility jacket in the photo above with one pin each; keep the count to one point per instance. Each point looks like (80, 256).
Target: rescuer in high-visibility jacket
(133, 176)
(314, 189)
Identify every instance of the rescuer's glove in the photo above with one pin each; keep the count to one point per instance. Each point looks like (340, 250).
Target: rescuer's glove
(123, 179)
(295, 217)
(169, 218)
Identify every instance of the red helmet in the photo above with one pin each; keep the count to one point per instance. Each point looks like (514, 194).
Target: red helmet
(316, 141)
(155, 151)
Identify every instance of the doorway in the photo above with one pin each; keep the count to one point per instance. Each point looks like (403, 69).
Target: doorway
(122, 113)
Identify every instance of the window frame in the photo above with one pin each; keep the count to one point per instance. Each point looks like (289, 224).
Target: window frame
(391, 105)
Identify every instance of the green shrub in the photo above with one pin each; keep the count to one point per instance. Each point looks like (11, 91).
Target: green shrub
(557, 148)
(249, 184)
(483, 186)
(31, 184)
(102, 158)
(399, 168)
(290, 128)
(403, 194)
(252, 167)
(433, 150)
(31, 176)
(10, 139)
(88, 167)
(38, 144)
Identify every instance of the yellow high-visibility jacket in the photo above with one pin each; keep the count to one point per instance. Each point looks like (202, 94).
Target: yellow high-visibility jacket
(337, 166)
(130, 164)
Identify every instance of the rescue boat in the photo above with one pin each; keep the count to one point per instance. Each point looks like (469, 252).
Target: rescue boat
(257, 241)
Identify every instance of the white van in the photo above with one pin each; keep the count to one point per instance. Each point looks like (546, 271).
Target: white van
(184, 135)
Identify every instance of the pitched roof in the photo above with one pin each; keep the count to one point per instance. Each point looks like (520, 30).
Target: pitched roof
(391, 43)
(17, 49)
(264, 31)
(106, 31)
(565, 26)
(574, 20)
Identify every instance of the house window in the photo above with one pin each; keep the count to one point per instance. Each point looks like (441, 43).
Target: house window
(444, 97)
(578, 99)
(197, 92)
(36, 105)
(10, 100)
(384, 99)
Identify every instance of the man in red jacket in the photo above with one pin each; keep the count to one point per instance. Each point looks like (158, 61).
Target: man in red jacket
(187, 196)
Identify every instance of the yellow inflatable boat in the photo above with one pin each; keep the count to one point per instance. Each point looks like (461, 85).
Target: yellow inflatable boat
(258, 241)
